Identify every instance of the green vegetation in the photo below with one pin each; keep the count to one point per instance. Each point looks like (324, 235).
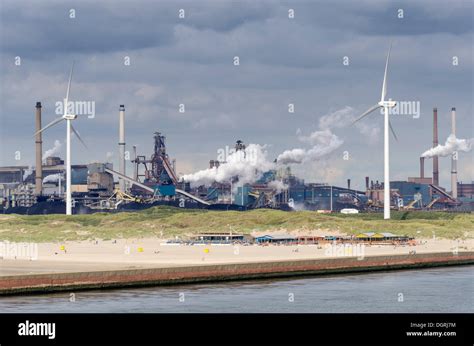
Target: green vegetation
(169, 221)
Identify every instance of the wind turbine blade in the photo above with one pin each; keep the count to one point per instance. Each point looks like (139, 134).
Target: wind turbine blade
(52, 123)
(392, 130)
(384, 85)
(68, 87)
(367, 112)
(78, 136)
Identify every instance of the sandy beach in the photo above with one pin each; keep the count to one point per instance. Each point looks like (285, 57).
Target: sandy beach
(152, 252)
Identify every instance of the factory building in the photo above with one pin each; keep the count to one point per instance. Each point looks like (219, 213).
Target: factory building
(26, 175)
(410, 191)
(17, 183)
(466, 190)
(466, 194)
(97, 186)
(99, 181)
(322, 197)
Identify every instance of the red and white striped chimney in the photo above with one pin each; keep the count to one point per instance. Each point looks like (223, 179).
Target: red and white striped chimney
(435, 144)
(454, 157)
(122, 146)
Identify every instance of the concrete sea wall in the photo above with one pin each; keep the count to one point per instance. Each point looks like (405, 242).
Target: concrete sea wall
(45, 283)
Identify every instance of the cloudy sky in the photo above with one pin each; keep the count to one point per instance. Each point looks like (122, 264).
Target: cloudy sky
(328, 61)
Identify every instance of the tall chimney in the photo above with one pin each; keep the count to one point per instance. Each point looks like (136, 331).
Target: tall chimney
(135, 163)
(348, 184)
(422, 167)
(122, 146)
(435, 144)
(366, 183)
(39, 152)
(454, 157)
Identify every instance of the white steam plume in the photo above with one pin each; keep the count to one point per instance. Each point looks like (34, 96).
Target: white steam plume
(109, 155)
(324, 142)
(298, 206)
(340, 118)
(345, 117)
(52, 178)
(292, 156)
(452, 144)
(27, 172)
(248, 165)
(278, 185)
(53, 151)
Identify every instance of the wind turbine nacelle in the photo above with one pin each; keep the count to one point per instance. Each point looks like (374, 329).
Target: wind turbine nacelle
(69, 116)
(389, 103)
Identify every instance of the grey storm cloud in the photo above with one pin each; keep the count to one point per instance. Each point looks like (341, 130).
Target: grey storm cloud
(43, 28)
(190, 61)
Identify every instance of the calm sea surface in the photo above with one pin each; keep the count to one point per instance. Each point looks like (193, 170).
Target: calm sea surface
(449, 289)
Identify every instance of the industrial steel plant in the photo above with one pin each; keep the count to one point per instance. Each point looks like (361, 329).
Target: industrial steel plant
(252, 163)
(244, 180)
(99, 187)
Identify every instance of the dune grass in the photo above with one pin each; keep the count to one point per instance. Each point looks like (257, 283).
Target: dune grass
(169, 221)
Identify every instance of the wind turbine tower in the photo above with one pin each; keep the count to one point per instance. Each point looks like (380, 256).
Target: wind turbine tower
(67, 117)
(385, 104)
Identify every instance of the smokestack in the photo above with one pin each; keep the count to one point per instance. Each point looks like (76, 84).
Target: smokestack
(135, 163)
(454, 156)
(122, 146)
(39, 152)
(422, 167)
(435, 144)
(366, 183)
(348, 184)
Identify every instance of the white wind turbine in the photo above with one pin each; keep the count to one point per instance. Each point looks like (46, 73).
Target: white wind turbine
(387, 125)
(69, 127)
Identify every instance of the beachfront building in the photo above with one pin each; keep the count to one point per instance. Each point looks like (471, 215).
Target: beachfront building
(382, 236)
(276, 238)
(219, 237)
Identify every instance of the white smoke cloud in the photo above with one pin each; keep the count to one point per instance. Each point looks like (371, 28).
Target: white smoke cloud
(52, 178)
(452, 144)
(298, 206)
(278, 185)
(250, 168)
(53, 151)
(27, 172)
(369, 131)
(345, 117)
(292, 156)
(340, 118)
(109, 155)
(248, 165)
(324, 142)
(324, 137)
